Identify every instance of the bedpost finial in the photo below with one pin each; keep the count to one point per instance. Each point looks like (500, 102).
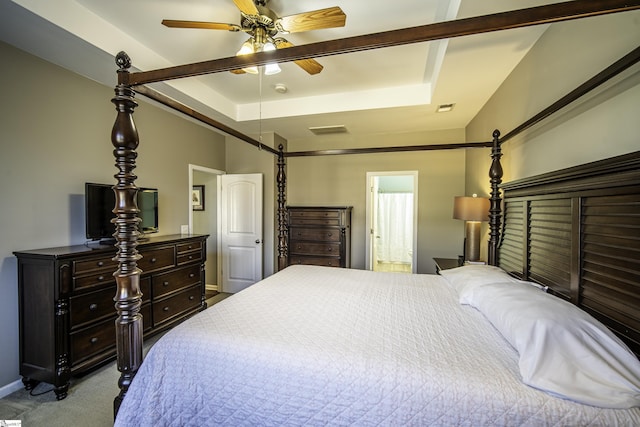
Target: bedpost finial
(496, 134)
(123, 61)
(280, 147)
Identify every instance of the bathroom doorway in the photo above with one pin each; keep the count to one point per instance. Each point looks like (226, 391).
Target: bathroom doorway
(392, 212)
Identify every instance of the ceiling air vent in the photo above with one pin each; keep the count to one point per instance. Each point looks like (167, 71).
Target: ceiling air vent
(328, 130)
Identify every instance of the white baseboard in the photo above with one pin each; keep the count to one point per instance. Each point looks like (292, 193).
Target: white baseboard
(10, 388)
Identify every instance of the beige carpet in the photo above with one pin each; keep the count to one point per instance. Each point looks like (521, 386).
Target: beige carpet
(88, 404)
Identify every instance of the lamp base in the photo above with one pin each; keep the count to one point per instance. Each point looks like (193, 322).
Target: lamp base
(472, 241)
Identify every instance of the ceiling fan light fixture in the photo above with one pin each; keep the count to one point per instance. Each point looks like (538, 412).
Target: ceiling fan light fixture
(246, 49)
(272, 67)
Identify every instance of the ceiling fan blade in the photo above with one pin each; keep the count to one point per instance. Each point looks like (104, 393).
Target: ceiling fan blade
(314, 20)
(311, 66)
(201, 25)
(248, 7)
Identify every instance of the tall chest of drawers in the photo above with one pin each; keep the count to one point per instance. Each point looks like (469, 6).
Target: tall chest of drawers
(319, 235)
(67, 311)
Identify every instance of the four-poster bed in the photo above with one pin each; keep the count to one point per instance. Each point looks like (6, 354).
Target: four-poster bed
(128, 323)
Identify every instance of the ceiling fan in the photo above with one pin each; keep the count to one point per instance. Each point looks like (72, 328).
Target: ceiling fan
(263, 27)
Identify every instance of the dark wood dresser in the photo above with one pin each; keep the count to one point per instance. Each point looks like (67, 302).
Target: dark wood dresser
(319, 235)
(67, 311)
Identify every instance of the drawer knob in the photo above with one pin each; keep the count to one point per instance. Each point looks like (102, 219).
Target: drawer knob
(191, 276)
(166, 283)
(190, 247)
(100, 263)
(100, 278)
(165, 308)
(191, 297)
(329, 249)
(153, 260)
(93, 307)
(329, 234)
(190, 257)
(93, 340)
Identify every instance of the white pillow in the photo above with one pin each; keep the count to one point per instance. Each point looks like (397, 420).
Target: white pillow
(563, 350)
(477, 275)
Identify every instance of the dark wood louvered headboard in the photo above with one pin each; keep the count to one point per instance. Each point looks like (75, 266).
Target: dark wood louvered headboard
(577, 231)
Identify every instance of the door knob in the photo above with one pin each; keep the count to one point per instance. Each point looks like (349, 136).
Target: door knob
(257, 241)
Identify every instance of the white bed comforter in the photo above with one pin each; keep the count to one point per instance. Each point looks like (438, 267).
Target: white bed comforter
(327, 346)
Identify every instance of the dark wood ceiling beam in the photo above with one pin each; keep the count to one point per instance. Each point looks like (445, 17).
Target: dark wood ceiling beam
(449, 29)
(396, 149)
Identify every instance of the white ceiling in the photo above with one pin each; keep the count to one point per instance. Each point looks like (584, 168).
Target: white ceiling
(387, 90)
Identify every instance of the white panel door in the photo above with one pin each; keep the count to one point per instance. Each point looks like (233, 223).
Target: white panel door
(241, 228)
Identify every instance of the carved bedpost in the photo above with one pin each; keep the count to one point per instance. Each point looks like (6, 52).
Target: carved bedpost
(283, 250)
(124, 137)
(495, 210)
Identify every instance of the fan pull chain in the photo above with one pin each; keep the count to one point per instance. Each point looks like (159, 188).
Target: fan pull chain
(260, 109)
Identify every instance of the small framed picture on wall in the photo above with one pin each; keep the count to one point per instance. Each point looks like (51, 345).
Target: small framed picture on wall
(197, 198)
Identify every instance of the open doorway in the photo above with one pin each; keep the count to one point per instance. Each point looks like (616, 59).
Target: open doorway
(203, 219)
(392, 212)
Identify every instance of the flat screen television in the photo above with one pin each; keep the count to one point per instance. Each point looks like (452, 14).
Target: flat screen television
(99, 203)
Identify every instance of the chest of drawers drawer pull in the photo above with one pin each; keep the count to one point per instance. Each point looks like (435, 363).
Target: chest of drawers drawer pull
(165, 308)
(100, 263)
(93, 340)
(93, 307)
(153, 260)
(165, 283)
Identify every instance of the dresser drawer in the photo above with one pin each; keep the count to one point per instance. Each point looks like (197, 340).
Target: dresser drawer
(93, 265)
(308, 248)
(166, 283)
(317, 234)
(94, 280)
(189, 257)
(315, 217)
(322, 261)
(179, 303)
(188, 247)
(93, 340)
(157, 259)
(332, 222)
(90, 307)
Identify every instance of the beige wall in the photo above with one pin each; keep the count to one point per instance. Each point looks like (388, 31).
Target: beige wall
(55, 132)
(341, 181)
(601, 125)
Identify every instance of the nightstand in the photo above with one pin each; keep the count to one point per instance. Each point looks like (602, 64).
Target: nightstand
(446, 263)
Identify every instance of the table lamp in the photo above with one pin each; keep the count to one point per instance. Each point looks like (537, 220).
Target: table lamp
(473, 210)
